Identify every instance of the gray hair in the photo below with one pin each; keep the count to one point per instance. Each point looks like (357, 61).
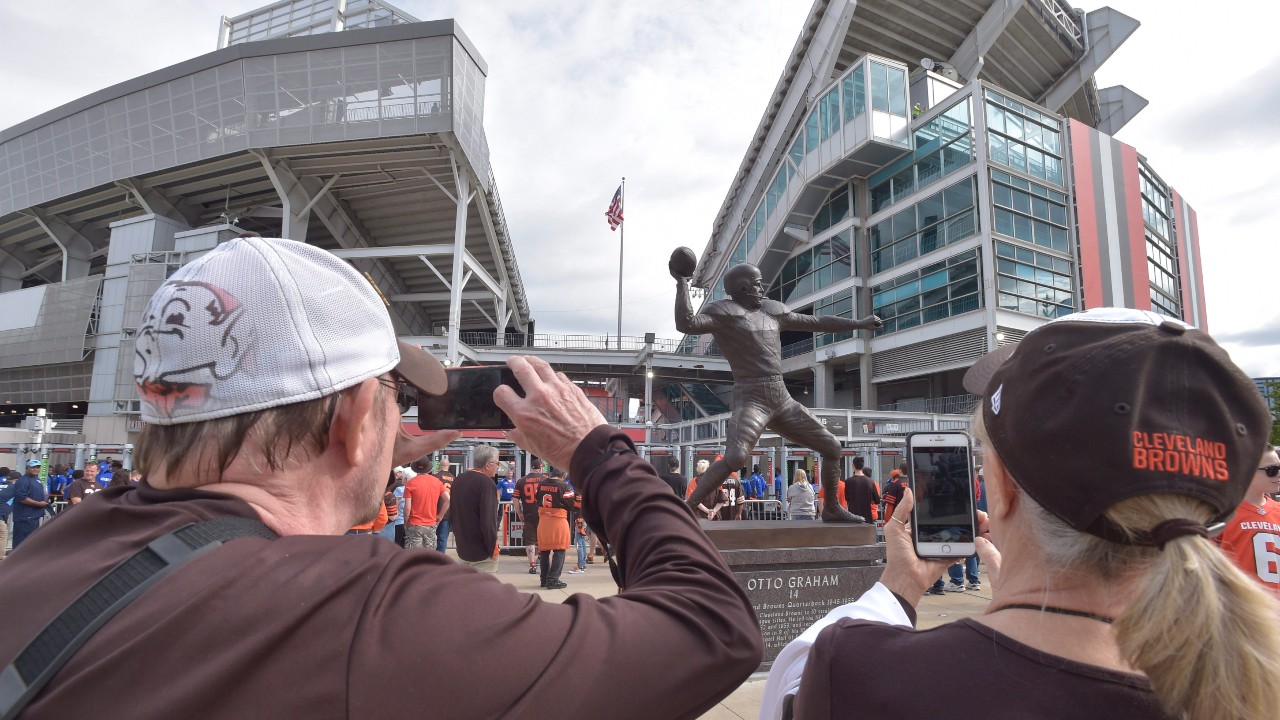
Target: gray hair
(484, 454)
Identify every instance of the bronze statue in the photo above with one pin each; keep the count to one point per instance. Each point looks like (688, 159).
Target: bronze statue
(747, 326)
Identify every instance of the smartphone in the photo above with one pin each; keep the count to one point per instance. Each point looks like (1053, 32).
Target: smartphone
(467, 404)
(943, 521)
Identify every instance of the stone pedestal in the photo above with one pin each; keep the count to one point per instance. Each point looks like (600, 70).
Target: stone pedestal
(796, 571)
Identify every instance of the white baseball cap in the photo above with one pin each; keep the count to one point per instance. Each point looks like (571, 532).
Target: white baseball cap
(261, 322)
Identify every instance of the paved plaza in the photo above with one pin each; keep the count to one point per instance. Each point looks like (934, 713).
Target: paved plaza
(744, 702)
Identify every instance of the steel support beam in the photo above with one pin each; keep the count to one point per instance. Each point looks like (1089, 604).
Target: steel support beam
(462, 181)
(1106, 30)
(967, 59)
(1119, 105)
(295, 199)
(77, 250)
(11, 272)
(154, 202)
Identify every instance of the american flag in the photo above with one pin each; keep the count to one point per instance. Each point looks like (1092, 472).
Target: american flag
(614, 213)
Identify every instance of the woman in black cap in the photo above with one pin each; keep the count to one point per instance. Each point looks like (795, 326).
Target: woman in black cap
(1115, 444)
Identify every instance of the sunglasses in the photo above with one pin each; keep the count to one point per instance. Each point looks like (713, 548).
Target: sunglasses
(1271, 470)
(406, 394)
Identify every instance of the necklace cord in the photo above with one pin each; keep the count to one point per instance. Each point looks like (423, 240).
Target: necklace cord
(1056, 610)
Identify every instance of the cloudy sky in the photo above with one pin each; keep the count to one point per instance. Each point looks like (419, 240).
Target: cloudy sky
(669, 92)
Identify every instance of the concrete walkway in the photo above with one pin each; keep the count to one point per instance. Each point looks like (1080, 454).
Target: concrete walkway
(744, 702)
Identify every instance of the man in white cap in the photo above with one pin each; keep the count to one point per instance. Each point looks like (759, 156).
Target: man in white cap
(268, 372)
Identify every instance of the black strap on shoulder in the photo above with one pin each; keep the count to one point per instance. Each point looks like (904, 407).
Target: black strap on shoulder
(41, 659)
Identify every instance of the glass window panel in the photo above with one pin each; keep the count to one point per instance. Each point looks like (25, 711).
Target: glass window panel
(1024, 254)
(1022, 202)
(1004, 222)
(897, 91)
(1013, 125)
(1040, 208)
(859, 91)
(929, 240)
(995, 118)
(904, 251)
(1035, 162)
(1057, 214)
(1001, 195)
(1060, 242)
(928, 169)
(879, 87)
(811, 131)
(1017, 155)
(904, 223)
(959, 196)
(881, 196)
(1022, 228)
(930, 209)
(999, 149)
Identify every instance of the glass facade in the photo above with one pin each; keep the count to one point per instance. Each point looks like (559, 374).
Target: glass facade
(938, 220)
(935, 292)
(942, 146)
(844, 102)
(1024, 138)
(343, 93)
(1033, 282)
(308, 17)
(1162, 251)
(814, 268)
(835, 210)
(1029, 212)
(840, 305)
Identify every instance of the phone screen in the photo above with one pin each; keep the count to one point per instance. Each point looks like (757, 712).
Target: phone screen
(943, 486)
(468, 402)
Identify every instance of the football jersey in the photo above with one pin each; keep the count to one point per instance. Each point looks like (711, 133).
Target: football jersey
(1252, 541)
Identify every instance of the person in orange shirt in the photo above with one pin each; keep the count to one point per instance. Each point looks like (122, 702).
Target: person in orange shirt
(425, 501)
(555, 500)
(1252, 537)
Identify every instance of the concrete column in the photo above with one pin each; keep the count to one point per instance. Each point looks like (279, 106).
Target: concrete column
(824, 385)
(867, 390)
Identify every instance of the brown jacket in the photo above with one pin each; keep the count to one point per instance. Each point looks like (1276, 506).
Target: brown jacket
(340, 627)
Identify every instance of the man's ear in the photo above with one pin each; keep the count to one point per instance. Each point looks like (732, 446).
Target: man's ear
(1002, 492)
(352, 419)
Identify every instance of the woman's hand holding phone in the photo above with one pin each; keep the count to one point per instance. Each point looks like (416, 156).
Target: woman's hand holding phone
(905, 573)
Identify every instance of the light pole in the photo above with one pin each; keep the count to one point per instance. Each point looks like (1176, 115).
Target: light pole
(648, 404)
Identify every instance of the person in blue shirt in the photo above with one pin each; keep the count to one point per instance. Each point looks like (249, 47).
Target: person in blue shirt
(29, 503)
(758, 486)
(777, 485)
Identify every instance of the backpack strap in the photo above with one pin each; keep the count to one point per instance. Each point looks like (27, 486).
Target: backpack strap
(41, 659)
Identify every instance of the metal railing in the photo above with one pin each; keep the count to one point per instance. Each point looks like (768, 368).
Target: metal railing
(626, 343)
(800, 348)
(952, 405)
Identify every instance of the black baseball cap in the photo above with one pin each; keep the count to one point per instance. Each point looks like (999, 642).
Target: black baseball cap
(1104, 405)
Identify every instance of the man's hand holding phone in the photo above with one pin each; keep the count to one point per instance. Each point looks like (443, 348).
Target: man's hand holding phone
(553, 416)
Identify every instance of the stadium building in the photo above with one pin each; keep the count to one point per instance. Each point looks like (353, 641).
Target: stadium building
(346, 124)
(950, 167)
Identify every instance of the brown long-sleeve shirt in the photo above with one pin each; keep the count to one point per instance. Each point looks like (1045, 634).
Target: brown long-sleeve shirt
(346, 627)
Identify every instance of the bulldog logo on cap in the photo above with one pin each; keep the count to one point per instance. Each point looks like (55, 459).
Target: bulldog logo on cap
(192, 325)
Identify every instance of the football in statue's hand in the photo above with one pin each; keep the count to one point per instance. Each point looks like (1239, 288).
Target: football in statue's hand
(682, 263)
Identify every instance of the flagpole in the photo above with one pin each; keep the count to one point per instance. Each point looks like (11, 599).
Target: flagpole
(622, 239)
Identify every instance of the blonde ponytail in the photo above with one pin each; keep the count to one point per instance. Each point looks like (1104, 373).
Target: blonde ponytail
(1205, 633)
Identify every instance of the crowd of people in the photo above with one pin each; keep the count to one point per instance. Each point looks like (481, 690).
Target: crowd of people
(1129, 538)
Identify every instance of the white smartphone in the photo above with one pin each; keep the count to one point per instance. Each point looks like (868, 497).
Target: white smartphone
(943, 521)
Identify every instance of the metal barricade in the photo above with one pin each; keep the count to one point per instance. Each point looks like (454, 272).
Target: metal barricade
(510, 526)
(763, 510)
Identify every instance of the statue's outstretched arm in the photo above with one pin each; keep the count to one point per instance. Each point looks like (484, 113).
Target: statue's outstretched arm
(827, 323)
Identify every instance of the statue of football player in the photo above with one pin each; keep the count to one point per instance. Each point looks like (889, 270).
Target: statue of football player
(748, 328)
